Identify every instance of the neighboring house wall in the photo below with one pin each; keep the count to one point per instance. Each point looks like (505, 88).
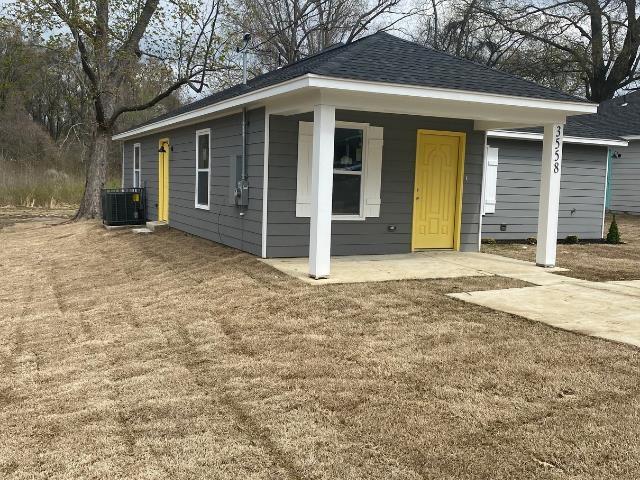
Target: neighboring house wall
(625, 179)
(222, 223)
(288, 235)
(582, 189)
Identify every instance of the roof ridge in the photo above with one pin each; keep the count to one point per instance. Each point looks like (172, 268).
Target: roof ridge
(346, 51)
(486, 67)
(240, 86)
(384, 57)
(332, 49)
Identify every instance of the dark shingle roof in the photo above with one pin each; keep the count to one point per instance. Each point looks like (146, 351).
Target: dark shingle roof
(619, 116)
(616, 118)
(382, 57)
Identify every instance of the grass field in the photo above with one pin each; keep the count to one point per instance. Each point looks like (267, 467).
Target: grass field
(27, 186)
(167, 356)
(34, 188)
(591, 261)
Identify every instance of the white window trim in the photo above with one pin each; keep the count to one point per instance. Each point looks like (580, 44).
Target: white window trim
(123, 167)
(139, 169)
(199, 133)
(365, 147)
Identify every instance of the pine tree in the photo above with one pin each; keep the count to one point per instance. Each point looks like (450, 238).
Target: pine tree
(613, 236)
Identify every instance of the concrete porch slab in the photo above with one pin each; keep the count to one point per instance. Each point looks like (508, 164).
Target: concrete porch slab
(608, 310)
(415, 266)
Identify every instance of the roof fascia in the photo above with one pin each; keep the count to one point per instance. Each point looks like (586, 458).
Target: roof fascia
(341, 84)
(567, 139)
(223, 106)
(570, 108)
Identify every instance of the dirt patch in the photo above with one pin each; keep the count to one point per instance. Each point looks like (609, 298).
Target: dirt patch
(590, 261)
(167, 356)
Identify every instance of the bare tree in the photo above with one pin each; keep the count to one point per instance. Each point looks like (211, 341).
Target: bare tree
(117, 40)
(596, 41)
(454, 27)
(287, 30)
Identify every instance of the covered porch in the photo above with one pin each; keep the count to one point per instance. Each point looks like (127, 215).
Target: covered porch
(479, 111)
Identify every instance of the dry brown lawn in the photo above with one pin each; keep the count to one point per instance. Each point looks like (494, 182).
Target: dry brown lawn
(167, 356)
(11, 216)
(598, 262)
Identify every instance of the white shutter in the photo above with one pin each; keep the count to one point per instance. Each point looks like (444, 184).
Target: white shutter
(373, 172)
(490, 180)
(305, 152)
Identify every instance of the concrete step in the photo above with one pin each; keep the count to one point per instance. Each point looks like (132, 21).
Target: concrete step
(155, 225)
(141, 230)
(111, 228)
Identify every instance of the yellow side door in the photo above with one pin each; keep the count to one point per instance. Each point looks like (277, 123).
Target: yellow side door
(163, 180)
(438, 190)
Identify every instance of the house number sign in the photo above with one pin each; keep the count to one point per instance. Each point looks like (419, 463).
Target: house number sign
(556, 149)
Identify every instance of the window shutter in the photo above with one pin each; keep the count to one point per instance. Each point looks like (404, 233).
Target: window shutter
(490, 180)
(373, 172)
(305, 151)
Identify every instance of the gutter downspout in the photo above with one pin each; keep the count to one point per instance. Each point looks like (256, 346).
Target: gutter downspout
(242, 188)
(607, 187)
(245, 168)
(243, 185)
(244, 178)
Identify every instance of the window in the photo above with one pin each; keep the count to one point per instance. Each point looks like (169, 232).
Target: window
(136, 166)
(347, 171)
(357, 170)
(203, 167)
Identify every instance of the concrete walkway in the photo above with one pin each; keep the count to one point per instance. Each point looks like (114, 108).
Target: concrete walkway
(416, 266)
(608, 310)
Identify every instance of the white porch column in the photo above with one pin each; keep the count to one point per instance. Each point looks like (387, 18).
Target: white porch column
(324, 124)
(549, 195)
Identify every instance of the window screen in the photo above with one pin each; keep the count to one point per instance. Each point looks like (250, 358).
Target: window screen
(347, 171)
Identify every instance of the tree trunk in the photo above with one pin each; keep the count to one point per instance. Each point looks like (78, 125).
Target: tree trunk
(96, 175)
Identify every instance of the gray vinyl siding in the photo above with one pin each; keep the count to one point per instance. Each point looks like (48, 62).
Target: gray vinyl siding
(222, 223)
(582, 190)
(625, 179)
(288, 236)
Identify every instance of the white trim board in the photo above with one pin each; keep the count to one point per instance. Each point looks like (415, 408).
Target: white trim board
(576, 107)
(313, 81)
(265, 183)
(606, 182)
(567, 139)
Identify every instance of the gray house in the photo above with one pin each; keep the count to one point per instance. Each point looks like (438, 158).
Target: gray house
(374, 147)
(622, 117)
(624, 178)
(512, 181)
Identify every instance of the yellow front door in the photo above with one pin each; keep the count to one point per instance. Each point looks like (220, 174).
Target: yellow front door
(163, 180)
(438, 189)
